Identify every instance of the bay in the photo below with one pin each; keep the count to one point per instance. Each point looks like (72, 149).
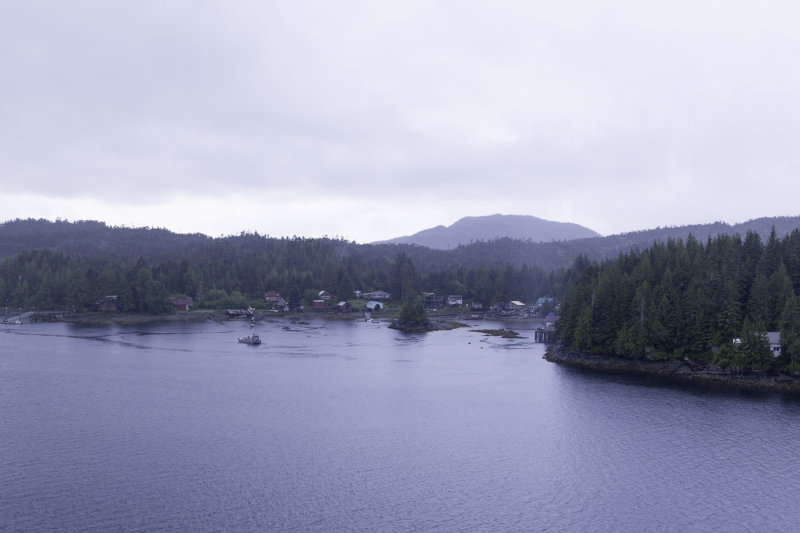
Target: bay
(350, 426)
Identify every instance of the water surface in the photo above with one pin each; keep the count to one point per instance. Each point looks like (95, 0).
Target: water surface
(351, 426)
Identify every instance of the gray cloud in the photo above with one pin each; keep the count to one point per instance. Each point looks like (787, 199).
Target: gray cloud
(619, 116)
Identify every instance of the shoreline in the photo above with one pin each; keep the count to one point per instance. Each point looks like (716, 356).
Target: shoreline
(437, 322)
(674, 371)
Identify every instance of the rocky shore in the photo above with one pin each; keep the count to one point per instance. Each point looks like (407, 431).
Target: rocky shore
(678, 371)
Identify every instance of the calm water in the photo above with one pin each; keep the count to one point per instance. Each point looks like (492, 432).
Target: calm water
(350, 426)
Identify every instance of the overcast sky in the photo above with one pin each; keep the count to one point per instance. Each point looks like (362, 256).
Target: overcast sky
(374, 119)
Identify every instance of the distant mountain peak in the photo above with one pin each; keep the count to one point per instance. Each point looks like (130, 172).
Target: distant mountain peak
(485, 228)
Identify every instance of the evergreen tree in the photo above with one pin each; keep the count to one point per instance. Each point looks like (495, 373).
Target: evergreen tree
(413, 312)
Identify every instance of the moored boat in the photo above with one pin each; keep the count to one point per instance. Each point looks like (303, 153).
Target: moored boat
(250, 339)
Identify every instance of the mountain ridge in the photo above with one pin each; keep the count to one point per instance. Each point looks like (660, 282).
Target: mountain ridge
(156, 245)
(467, 230)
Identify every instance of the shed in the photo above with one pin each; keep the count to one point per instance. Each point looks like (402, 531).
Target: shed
(182, 303)
(374, 306)
(550, 320)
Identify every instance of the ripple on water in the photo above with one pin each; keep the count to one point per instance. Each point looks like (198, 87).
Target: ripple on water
(329, 433)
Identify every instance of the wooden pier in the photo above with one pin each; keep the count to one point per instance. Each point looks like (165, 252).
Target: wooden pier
(50, 316)
(545, 335)
(37, 316)
(18, 319)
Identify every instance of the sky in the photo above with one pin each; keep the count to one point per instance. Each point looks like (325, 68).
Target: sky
(367, 120)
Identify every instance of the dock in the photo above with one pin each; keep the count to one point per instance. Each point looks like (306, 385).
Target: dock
(37, 316)
(545, 335)
(18, 319)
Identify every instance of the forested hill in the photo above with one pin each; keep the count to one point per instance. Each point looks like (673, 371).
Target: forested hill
(611, 246)
(91, 239)
(79, 265)
(76, 264)
(710, 301)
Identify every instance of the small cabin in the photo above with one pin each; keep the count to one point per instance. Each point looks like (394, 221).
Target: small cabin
(182, 303)
(550, 320)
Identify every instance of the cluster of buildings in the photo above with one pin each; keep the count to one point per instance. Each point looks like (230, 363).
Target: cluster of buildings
(431, 301)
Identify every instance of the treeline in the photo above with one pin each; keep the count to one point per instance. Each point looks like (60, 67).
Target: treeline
(711, 301)
(237, 271)
(96, 240)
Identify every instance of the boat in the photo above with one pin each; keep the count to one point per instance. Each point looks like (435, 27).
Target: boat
(250, 339)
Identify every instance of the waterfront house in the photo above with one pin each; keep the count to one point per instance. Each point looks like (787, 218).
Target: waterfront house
(431, 300)
(550, 320)
(319, 304)
(272, 296)
(454, 300)
(182, 303)
(774, 340)
(376, 295)
(324, 295)
(344, 307)
(280, 305)
(108, 305)
(508, 306)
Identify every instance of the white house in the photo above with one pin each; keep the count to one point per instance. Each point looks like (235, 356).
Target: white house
(455, 300)
(376, 295)
(774, 339)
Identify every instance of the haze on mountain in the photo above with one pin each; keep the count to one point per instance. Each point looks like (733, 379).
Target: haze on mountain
(485, 228)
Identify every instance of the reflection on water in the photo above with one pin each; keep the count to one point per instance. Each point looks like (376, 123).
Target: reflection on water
(341, 426)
